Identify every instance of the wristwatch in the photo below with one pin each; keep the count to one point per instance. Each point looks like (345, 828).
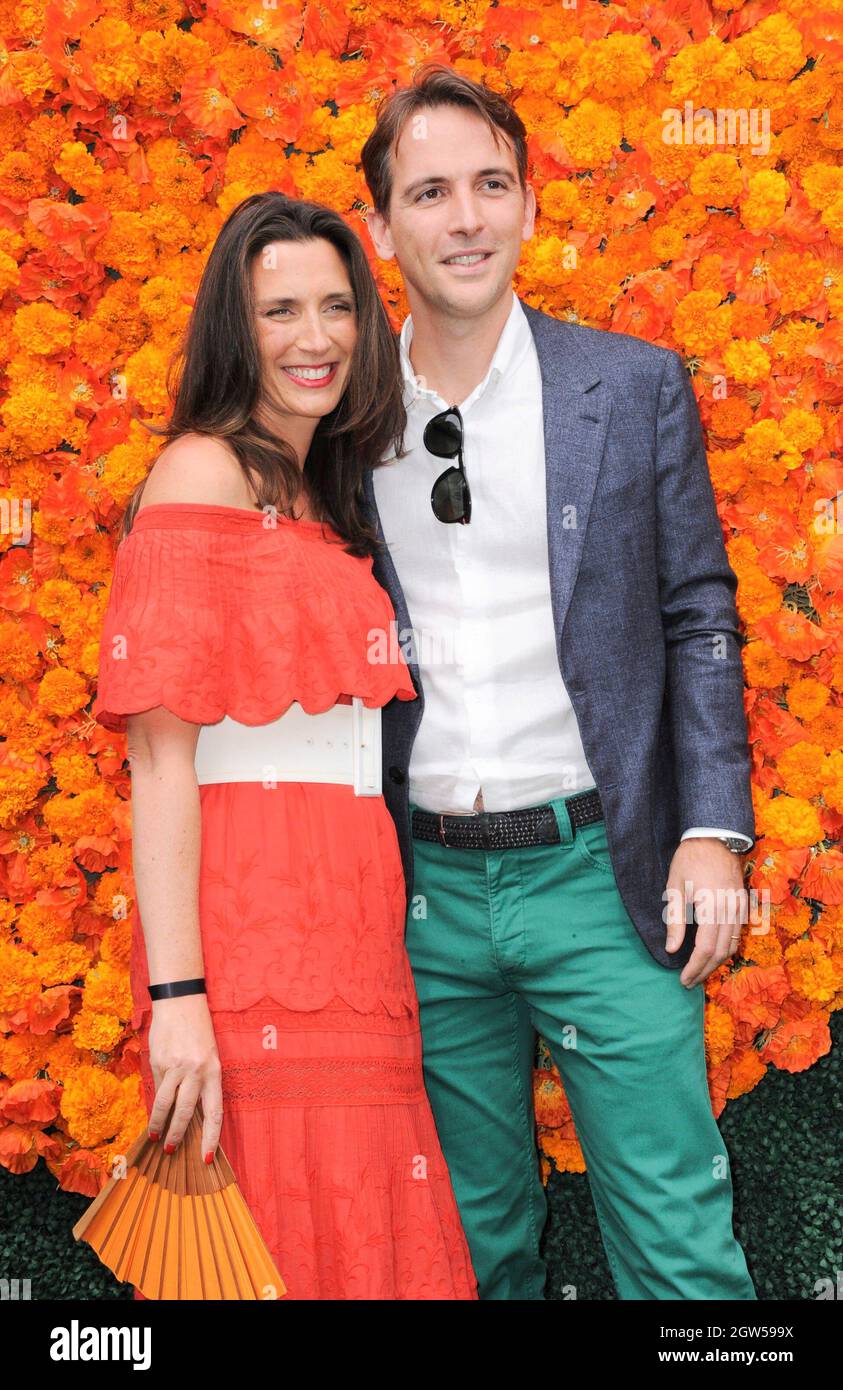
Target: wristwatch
(735, 845)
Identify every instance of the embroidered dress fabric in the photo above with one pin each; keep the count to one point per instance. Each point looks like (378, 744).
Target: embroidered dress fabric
(219, 611)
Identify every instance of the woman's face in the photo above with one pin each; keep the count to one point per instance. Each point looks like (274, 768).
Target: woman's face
(307, 329)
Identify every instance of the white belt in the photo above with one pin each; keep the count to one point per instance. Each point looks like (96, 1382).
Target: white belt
(342, 744)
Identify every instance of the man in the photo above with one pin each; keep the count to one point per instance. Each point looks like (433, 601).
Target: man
(578, 747)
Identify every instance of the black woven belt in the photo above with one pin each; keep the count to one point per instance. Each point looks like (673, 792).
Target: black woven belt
(533, 825)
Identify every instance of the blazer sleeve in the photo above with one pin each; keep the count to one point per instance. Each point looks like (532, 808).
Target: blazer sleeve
(697, 587)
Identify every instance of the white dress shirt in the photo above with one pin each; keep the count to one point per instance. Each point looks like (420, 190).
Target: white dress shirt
(497, 715)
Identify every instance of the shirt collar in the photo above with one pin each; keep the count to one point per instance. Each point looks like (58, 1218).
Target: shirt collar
(514, 338)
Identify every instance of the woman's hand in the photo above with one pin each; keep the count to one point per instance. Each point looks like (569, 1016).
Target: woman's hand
(186, 1067)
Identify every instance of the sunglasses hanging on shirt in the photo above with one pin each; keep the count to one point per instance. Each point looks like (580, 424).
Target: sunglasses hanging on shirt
(450, 497)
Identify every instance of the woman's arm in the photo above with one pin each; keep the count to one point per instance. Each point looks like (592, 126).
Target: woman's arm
(166, 838)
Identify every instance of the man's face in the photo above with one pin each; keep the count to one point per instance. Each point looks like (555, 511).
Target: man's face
(454, 190)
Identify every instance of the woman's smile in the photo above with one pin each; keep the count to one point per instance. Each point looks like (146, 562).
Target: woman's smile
(320, 375)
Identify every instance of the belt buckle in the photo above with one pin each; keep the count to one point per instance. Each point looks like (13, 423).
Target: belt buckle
(442, 839)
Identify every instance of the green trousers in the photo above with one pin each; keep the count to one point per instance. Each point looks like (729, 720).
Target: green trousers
(506, 943)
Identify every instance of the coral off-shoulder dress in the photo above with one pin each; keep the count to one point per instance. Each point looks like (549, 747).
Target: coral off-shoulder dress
(212, 612)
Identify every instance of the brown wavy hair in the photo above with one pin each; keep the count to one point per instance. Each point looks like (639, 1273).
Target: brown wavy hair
(218, 372)
(435, 84)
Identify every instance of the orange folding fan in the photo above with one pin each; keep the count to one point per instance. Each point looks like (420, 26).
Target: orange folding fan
(179, 1228)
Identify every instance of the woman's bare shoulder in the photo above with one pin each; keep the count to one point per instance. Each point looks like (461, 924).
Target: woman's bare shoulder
(197, 468)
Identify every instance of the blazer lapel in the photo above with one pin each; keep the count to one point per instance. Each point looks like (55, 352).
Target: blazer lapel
(387, 576)
(576, 417)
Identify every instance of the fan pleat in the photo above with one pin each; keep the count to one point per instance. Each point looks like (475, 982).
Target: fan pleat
(178, 1228)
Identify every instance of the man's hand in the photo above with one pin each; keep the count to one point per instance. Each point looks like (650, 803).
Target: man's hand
(705, 874)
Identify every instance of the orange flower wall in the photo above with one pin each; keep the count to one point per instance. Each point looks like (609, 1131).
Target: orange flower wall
(129, 131)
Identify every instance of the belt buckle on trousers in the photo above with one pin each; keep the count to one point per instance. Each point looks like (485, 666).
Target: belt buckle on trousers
(481, 819)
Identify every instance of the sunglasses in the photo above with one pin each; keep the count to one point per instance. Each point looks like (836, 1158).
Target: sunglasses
(450, 497)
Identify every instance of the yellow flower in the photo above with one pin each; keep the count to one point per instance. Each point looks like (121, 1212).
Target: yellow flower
(20, 659)
(701, 323)
(19, 977)
(617, 64)
(719, 1033)
(42, 328)
(746, 362)
(591, 133)
(811, 972)
(766, 200)
(93, 1103)
(128, 245)
(79, 168)
(793, 820)
(35, 419)
(18, 794)
(717, 179)
(806, 697)
(772, 48)
(109, 46)
(97, 1031)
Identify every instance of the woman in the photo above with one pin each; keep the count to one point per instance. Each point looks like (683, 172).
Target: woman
(278, 905)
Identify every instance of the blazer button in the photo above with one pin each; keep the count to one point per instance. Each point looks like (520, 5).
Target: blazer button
(396, 774)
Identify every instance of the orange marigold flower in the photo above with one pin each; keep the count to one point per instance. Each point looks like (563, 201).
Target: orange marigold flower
(73, 770)
(701, 323)
(827, 728)
(107, 49)
(560, 200)
(746, 362)
(747, 1071)
(719, 1033)
(800, 767)
(718, 180)
(64, 964)
(617, 64)
(18, 794)
(79, 168)
(98, 1031)
(807, 697)
(803, 428)
(792, 918)
(40, 926)
(763, 666)
(93, 1104)
(731, 416)
(793, 820)
(728, 471)
(35, 420)
(591, 133)
(19, 977)
(128, 245)
(769, 452)
(812, 973)
(772, 48)
(107, 990)
(765, 201)
(43, 329)
(20, 659)
(62, 692)
(59, 602)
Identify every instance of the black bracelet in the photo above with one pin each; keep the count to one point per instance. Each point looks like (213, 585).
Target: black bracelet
(178, 987)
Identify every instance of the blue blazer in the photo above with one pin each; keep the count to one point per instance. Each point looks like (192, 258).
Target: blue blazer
(643, 600)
